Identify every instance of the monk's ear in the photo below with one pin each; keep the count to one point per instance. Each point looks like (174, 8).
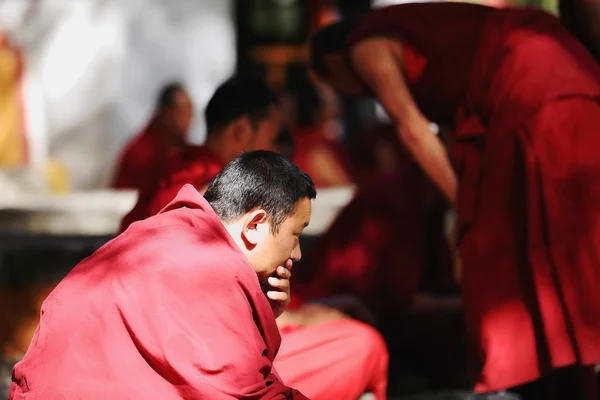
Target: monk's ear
(255, 227)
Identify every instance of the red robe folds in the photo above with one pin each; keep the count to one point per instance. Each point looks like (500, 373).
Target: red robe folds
(335, 360)
(170, 309)
(524, 98)
(196, 165)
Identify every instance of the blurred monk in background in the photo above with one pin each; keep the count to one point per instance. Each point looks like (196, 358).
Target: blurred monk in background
(243, 115)
(163, 136)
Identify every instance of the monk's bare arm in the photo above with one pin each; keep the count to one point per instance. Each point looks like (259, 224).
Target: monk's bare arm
(378, 62)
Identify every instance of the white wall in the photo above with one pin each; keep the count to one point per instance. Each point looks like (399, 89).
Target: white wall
(93, 69)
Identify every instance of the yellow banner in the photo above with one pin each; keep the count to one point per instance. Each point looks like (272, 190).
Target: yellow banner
(13, 138)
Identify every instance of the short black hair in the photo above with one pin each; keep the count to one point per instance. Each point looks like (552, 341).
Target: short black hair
(166, 96)
(329, 39)
(238, 96)
(259, 179)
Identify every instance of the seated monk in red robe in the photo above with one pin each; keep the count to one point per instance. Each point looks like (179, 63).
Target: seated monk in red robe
(183, 304)
(165, 134)
(522, 98)
(320, 345)
(242, 115)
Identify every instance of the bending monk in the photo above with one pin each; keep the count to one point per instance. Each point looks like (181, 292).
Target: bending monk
(183, 304)
(523, 98)
(242, 115)
(165, 134)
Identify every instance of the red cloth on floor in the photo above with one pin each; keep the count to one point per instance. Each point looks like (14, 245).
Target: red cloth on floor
(524, 98)
(170, 309)
(336, 360)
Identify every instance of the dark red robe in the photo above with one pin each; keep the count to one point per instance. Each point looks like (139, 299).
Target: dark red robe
(170, 309)
(196, 165)
(387, 244)
(141, 160)
(377, 152)
(524, 98)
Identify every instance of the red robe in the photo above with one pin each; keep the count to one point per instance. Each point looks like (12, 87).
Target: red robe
(170, 309)
(310, 363)
(523, 96)
(335, 360)
(140, 161)
(377, 151)
(196, 165)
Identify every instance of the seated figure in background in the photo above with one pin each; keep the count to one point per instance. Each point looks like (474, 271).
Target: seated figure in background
(243, 115)
(165, 135)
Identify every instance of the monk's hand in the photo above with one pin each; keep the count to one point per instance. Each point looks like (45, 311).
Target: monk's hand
(279, 291)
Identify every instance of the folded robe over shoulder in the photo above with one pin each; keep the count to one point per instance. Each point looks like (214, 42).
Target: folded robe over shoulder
(170, 309)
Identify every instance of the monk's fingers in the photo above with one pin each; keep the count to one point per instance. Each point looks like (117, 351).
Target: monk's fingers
(289, 264)
(278, 296)
(283, 284)
(284, 272)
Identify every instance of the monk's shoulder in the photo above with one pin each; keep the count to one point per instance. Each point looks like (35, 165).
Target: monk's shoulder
(201, 252)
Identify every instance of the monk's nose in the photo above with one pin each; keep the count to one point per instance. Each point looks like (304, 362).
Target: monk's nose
(296, 254)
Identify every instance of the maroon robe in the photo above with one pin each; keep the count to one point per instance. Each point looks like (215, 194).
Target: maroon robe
(524, 98)
(140, 160)
(196, 165)
(387, 244)
(170, 309)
